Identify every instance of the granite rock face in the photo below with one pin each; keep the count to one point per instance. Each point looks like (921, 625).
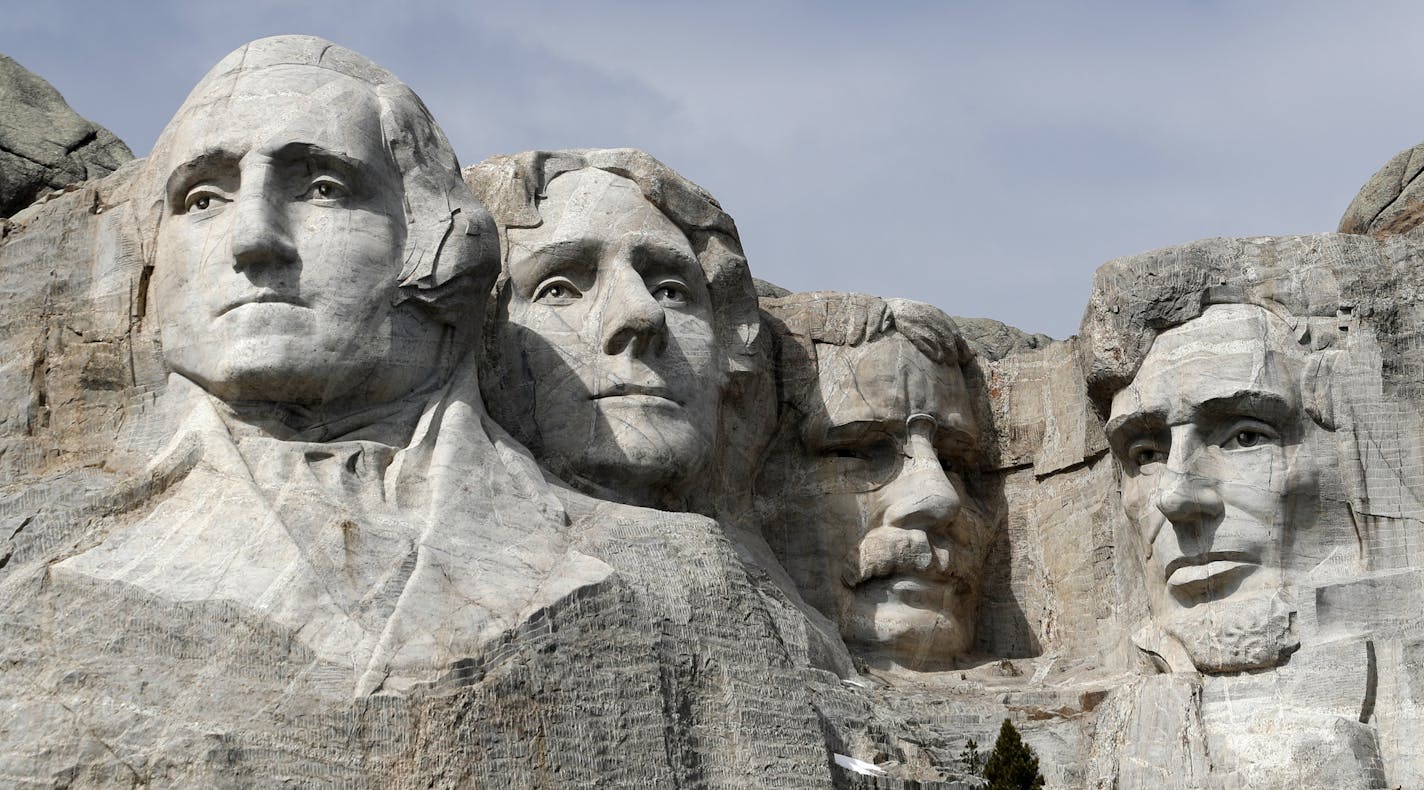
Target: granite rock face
(327, 462)
(45, 145)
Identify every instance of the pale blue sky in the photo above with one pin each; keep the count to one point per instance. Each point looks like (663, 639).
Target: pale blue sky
(985, 157)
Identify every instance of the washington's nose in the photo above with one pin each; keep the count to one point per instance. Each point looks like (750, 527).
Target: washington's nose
(632, 318)
(922, 496)
(259, 230)
(1184, 495)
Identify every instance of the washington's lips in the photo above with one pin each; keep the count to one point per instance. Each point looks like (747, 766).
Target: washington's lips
(265, 297)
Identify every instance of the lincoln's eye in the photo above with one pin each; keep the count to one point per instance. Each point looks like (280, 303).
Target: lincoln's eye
(202, 203)
(1248, 434)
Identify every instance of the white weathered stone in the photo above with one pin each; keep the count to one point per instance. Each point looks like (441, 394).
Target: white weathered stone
(256, 527)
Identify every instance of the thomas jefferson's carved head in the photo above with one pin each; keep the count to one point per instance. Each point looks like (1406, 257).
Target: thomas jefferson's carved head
(625, 305)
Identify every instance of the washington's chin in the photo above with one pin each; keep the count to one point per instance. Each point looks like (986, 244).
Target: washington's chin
(254, 371)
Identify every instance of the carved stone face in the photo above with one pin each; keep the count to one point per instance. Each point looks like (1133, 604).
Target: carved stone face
(610, 329)
(1220, 480)
(901, 539)
(280, 245)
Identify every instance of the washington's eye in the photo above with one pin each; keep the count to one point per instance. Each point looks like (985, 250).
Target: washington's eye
(202, 198)
(557, 290)
(671, 292)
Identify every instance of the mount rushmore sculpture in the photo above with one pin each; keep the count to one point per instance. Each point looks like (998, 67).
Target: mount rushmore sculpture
(327, 462)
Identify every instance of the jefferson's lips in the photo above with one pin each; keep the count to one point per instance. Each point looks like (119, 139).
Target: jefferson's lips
(266, 297)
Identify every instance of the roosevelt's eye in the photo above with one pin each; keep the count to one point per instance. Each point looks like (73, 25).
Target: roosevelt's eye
(203, 197)
(672, 293)
(1146, 453)
(324, 189)
(557, 291)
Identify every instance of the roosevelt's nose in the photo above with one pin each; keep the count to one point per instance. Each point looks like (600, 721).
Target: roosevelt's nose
(259, 227)
(921, 497)
(632, 319)
(1184, 494)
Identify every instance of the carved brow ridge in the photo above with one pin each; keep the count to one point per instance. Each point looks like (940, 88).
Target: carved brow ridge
(951, 435)
(290, 153)
(1267, 406)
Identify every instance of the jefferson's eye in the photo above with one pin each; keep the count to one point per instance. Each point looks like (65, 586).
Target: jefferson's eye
(202, 198)
(671, 292)
(557, 290)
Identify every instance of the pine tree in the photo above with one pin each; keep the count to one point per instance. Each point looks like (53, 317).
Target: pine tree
(1012, 765)
(971, 759)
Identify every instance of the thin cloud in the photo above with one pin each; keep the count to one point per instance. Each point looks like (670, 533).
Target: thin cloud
(985, 158)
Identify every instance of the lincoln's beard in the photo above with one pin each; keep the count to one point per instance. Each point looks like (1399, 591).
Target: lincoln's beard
(1251, 630)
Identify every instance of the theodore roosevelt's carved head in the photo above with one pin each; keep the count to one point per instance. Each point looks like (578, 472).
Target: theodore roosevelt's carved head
(872, 493)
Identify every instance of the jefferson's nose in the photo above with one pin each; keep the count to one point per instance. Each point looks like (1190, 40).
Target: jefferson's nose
(1184, 495)
(259, 227)
(631, 317)
(921, 497)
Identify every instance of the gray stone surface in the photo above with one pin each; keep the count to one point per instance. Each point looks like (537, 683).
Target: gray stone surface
(45, 145)
(996, 340)
(307, 480)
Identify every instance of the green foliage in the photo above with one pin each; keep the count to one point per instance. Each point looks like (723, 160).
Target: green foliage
(971, 759)
(1012, 765)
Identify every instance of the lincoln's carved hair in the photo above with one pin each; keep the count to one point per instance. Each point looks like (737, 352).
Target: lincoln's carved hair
(451, 255)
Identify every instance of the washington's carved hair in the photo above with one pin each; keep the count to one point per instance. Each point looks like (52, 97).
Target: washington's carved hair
(451, 255)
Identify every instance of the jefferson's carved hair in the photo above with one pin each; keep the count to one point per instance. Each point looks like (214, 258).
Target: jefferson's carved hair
(513, 188)
(451, 253)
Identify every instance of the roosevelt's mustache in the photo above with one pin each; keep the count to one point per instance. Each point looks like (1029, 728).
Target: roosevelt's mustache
(892, 551)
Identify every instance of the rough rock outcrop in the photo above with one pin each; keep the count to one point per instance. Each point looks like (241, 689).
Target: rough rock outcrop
(45, 145)
(257, 526)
